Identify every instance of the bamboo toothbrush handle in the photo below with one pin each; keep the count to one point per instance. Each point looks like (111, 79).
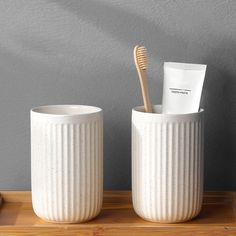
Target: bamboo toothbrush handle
(144, 89)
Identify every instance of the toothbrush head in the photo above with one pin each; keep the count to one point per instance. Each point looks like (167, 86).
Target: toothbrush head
(140, 55)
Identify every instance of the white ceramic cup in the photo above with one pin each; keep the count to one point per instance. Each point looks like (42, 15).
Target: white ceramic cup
(67, 162)
(167, 165)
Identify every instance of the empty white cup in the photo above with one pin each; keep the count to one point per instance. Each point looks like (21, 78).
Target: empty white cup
(67, 162)
(167, 165)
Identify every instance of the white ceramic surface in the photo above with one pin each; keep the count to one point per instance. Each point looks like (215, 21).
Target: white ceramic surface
(67, 162)
(167, 165)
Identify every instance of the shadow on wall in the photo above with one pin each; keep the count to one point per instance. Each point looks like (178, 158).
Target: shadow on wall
(125, 26)
(219, 86)
(220, 127)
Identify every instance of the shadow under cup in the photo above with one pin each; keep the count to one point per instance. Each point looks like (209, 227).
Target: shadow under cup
(167, 165)
(67, 162)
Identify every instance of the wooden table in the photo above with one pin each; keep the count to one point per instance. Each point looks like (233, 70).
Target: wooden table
(218, 217)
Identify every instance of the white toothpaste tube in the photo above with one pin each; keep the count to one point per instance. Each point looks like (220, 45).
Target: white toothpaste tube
(182, 87)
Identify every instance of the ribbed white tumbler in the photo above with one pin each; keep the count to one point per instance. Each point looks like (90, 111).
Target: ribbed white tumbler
(167, 165)
(67, 162)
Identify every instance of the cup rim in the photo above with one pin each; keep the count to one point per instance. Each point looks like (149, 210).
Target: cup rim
(140, 110)
(60, 110)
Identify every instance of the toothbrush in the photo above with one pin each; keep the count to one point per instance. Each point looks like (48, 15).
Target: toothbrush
(140, 58)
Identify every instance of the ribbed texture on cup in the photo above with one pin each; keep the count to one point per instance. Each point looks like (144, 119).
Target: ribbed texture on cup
(67, 170)
(167, 169)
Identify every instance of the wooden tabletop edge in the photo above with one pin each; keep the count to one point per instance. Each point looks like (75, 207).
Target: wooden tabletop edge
(25, 196)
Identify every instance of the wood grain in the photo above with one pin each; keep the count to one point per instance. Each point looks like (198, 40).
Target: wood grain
(218, 217)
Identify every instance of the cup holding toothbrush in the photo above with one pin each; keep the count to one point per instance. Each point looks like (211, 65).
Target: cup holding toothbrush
(167, 165)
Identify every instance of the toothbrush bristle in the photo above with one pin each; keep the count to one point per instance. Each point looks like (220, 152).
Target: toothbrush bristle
(142, 57)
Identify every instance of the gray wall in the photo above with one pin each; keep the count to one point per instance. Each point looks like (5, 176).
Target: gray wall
(80, 52)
